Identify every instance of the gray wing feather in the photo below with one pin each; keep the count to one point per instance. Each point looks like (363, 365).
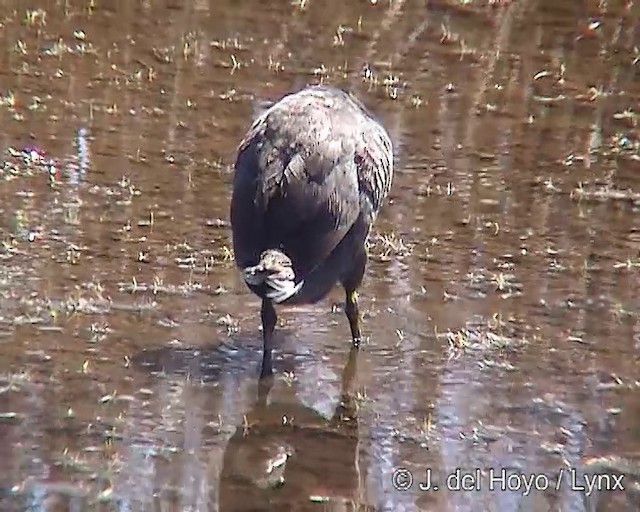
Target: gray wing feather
(374, 160)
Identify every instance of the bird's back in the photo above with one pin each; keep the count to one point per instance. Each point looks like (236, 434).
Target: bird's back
(308, 168)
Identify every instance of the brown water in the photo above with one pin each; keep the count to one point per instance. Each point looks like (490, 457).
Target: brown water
(501, 301)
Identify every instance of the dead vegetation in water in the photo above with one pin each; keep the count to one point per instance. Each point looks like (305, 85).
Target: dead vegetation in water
(50, 314)
(27, 162)
(14, 382)
(604, 193)
(495, 334)
(617, 383)
(385, 247)
(99, 466)
(159, 287)
(591, 192)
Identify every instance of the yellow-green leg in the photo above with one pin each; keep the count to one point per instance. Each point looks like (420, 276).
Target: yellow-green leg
(351, 283)
(353, 315)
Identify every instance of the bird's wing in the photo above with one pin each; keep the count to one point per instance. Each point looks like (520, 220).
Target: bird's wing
(295, 188)
(374, 160)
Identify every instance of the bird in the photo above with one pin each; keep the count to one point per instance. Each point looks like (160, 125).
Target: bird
(310, 176)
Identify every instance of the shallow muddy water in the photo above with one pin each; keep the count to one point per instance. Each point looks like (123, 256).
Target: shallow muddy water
(501, 300)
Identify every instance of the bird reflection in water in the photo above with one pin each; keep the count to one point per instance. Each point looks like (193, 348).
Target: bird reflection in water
(286, 456)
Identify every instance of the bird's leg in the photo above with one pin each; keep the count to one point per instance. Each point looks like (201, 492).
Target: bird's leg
(269, 319)
(351, 282)
(353, 315)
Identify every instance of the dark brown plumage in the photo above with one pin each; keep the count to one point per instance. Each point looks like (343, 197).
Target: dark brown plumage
(310, 177)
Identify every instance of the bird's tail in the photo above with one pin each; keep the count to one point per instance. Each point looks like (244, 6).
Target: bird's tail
(275, 272)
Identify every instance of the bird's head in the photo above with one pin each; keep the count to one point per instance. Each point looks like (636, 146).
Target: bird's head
(273, 264)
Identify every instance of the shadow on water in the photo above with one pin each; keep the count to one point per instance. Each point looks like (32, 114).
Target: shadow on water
(501, 299)
(240, 355)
